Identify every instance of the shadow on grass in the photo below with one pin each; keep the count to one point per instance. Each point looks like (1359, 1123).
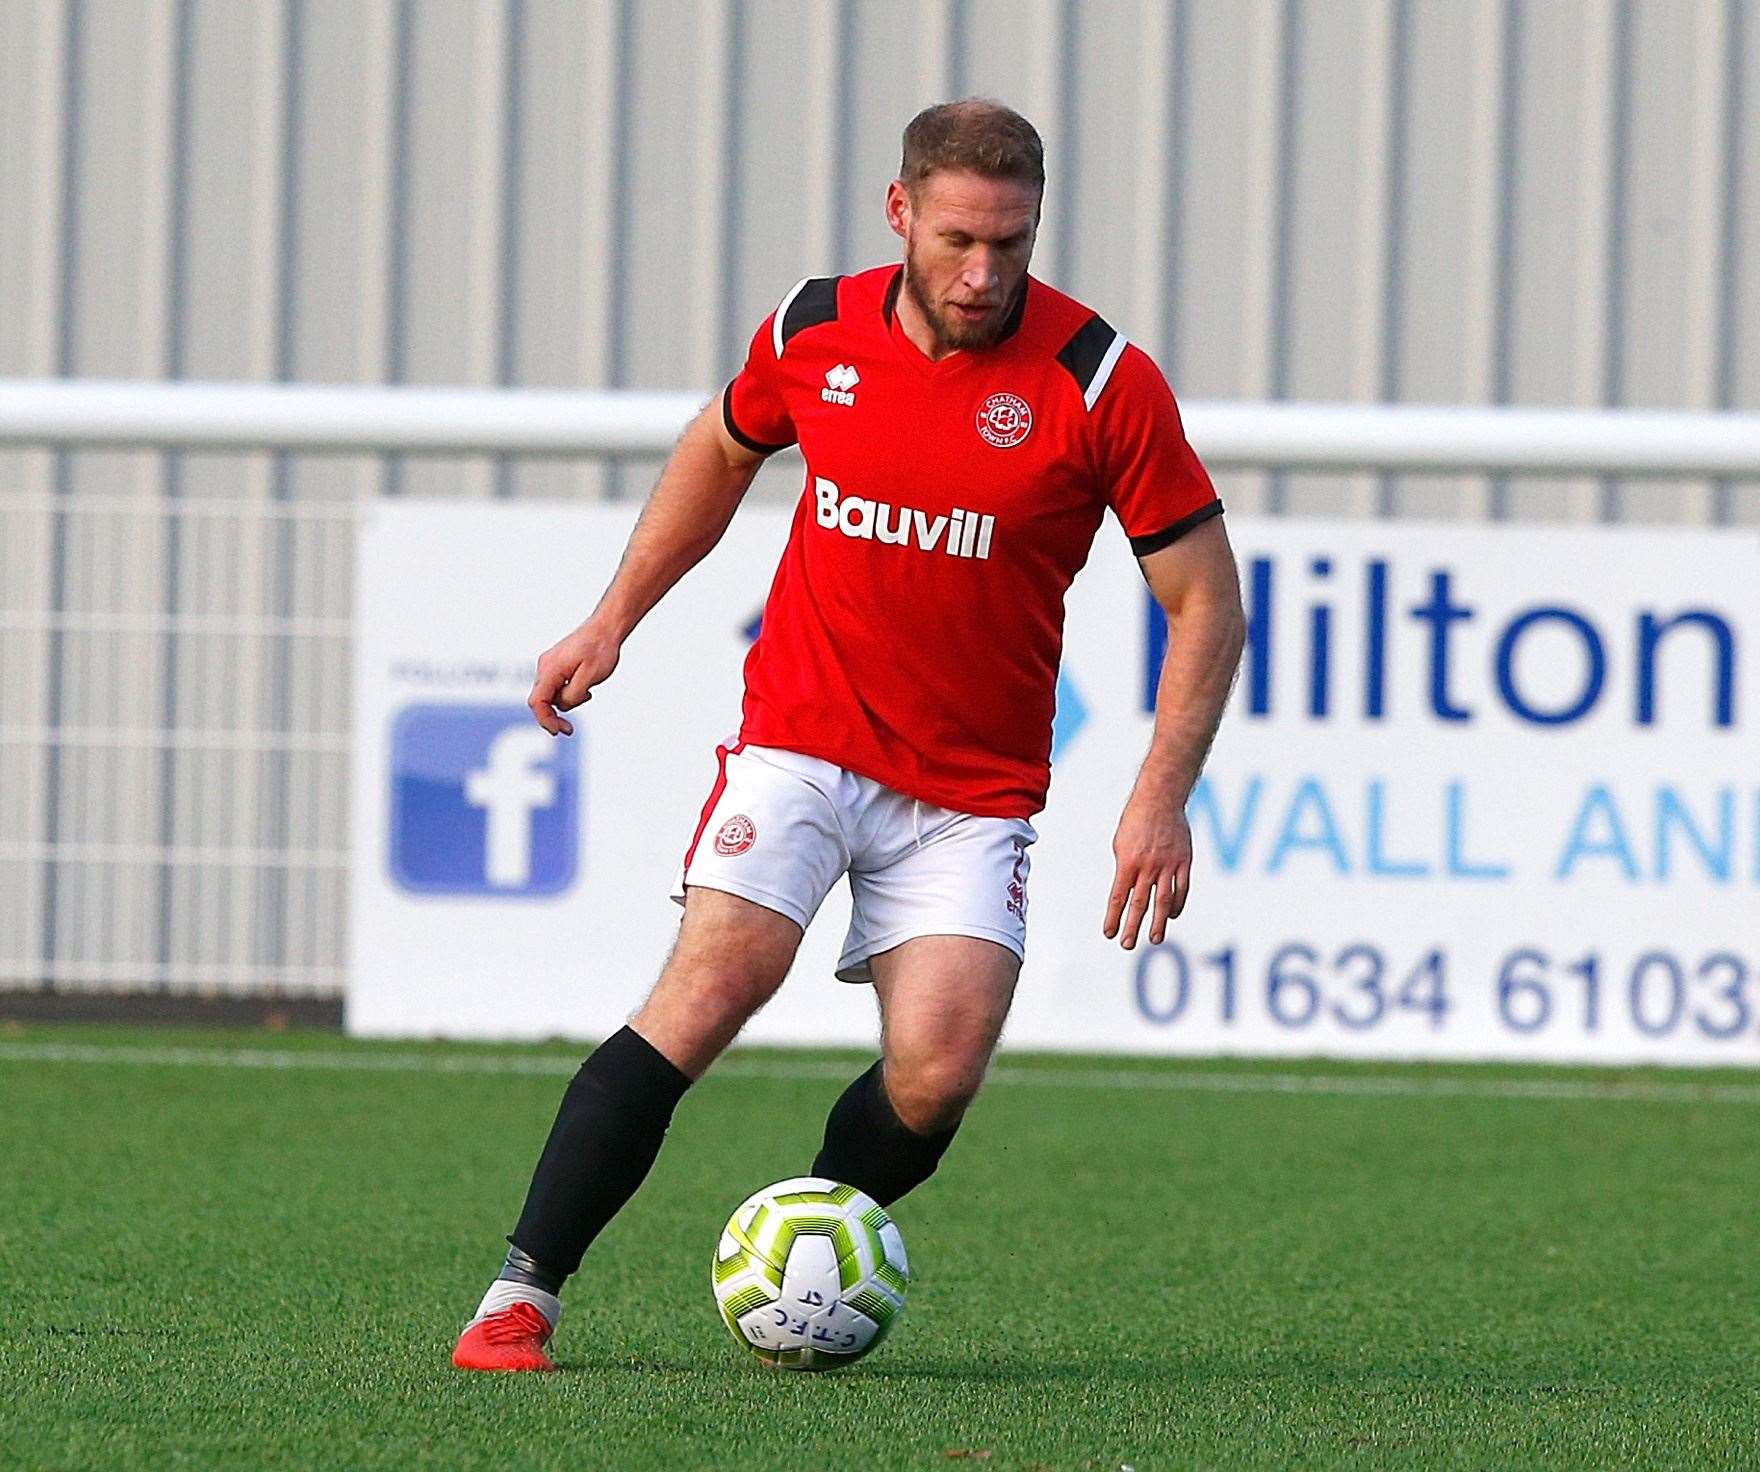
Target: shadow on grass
(1467, 1375)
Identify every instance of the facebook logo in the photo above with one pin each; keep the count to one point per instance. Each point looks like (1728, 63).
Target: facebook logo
(483, 801)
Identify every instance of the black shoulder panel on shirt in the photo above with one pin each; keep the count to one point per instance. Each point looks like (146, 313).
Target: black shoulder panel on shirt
(814, 303)
(1168, 535)
(1084, 352)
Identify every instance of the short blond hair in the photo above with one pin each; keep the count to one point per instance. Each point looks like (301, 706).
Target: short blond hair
(974, 133)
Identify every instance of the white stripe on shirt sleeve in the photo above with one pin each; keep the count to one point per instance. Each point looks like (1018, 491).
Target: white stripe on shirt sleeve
(1103, 372)
(782, 311)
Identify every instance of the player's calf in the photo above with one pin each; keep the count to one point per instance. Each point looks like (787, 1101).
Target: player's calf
(868, 1146)
(730, 958)
(606, 1137)
(943, 999)
(607, 1133)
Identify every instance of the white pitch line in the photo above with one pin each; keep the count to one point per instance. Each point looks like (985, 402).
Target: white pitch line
(1005, 1075)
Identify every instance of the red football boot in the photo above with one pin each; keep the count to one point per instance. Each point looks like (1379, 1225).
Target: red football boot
(511, 1339)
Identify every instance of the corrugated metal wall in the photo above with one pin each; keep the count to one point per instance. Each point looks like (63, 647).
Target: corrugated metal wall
(1433, 200)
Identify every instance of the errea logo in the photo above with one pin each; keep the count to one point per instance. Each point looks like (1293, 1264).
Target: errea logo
(840, 383)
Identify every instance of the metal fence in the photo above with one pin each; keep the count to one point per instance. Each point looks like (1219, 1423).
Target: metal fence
(174, 743)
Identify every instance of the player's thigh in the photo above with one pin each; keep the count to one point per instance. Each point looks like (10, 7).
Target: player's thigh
(943, 1001)
(730, 957)
(960, 875)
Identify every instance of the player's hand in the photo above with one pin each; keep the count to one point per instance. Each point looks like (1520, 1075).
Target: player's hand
(1152, 852)
(567, 673)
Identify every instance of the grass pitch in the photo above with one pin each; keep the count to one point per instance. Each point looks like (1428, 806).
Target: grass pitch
(210, 1264)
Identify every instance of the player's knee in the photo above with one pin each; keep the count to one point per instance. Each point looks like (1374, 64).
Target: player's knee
(730, 992)
(930, 1095)
(698, 1007)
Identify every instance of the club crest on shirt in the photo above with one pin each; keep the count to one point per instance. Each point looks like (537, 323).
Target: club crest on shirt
(736, 835)
(1005, 420)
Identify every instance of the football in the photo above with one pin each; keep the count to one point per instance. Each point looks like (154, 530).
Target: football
(810, 1274)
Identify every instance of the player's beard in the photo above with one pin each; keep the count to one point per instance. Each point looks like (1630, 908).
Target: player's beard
(949, 331)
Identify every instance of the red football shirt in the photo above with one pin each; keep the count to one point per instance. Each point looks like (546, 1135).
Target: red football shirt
(915, 625)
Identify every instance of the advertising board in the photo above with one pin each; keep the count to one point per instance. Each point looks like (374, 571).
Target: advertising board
(1480, 792)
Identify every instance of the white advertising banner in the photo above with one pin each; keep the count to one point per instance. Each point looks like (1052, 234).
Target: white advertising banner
(1480, 792)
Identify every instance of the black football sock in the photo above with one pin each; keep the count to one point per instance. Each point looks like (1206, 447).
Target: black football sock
(869, 1147)
(606, 1136)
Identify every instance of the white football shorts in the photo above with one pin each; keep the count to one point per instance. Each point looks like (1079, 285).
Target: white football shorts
(781, 828)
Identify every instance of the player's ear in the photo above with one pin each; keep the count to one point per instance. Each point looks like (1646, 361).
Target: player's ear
(898, 208)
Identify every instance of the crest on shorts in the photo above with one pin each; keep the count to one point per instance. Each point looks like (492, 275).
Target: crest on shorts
(1017, 884)
(1004, 420)
(736, 835)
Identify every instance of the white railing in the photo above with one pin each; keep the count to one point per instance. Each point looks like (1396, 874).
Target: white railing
(1388, 437)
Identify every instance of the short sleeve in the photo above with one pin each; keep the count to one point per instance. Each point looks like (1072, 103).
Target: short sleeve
(753, 408)
(1150, 475)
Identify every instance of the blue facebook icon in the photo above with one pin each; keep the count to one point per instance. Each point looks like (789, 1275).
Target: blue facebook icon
(482, 802)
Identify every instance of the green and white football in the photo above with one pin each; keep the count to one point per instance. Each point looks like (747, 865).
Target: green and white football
(810, 1274)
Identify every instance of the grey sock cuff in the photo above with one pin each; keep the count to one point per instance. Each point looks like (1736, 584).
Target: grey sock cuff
(504, 1294)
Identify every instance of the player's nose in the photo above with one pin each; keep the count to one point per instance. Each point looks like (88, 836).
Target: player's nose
(980, 278)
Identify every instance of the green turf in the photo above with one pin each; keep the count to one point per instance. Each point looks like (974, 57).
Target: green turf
(228, 1267)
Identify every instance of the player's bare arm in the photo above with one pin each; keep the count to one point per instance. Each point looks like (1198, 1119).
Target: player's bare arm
(700, 488)
(1196, 584)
